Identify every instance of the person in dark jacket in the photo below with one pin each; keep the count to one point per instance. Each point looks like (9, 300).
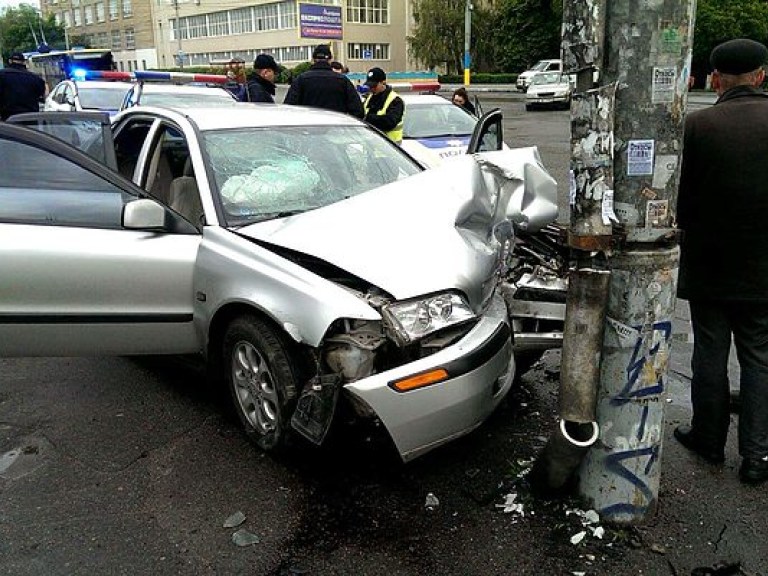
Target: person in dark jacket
(261, 86)
(321, 87)
(722, 210)
(20, 90)
(384, 109)
(234, 87)
(461, 99)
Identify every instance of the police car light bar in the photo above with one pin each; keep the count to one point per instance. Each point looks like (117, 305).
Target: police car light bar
(149, 75)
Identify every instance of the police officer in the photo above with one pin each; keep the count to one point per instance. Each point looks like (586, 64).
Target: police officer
(321, 87)
(384, 109)
(722, 210)
(261, 86)
(20, 89)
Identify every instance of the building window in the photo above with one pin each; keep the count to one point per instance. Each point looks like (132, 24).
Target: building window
(88, 10)
(77, 17)
(57, 18)
(75, 3)
(127, 8)
(113, 10)
(117, 40)
(360, 51)
(67, 19)
(241, 20)
(130, 39)
(266, 17)
(287, 12)
(368, 11)
(218, 24)
(196, 26)
(100, 12)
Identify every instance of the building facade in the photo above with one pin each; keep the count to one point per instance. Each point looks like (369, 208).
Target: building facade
(165, 33)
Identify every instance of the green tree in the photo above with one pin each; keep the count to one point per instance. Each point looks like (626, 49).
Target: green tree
(22, 29)
(438, 37)
(527, 31)
(721, 20)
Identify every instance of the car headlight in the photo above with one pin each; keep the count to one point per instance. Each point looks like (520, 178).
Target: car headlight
(414, 319)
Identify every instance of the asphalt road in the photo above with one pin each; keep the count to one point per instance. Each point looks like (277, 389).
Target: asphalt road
(132, 466)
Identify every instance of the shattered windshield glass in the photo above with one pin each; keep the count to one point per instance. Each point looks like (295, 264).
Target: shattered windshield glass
(277, 171)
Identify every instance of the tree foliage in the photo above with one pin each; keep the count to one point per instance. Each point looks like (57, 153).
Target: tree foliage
(527, 31)
(22, 29)
(721, 20)
(438, 37)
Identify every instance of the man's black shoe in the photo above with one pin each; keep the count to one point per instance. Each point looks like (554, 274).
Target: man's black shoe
(687, 437)
(754, 471)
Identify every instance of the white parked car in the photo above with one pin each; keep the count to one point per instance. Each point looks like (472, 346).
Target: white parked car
(524, 79)
(302, 254)
(178, 95)
(549, 89)
(435, 129)
(80, 95)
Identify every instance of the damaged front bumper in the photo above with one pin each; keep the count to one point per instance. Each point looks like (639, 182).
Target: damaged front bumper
(479, 372)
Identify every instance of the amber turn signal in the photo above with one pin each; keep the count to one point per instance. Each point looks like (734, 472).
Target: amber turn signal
(420, 380)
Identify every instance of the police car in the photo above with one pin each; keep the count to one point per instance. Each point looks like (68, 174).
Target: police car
(435, 129)
(79, 95)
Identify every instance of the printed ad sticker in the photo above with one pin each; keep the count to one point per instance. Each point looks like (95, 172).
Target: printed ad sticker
(640, 157)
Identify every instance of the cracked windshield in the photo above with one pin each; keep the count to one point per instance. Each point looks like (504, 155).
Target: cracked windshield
(281, 171)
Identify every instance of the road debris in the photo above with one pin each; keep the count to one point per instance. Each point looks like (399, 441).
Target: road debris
(589, 520)
(510, 506)
(244, 538)
(234, 520)
(431, 502)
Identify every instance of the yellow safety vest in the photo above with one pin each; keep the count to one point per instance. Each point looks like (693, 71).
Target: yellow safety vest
(396, 134)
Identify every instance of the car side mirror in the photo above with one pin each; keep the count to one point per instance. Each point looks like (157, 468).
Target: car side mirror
(143, 214)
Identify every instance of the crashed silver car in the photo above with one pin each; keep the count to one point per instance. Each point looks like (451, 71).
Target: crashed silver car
(303, 255)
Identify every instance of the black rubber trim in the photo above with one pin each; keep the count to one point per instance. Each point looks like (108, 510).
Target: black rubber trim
(468, 363)
(95, 318)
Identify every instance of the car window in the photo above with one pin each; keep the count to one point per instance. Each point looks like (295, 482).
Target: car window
(128, 143)
(277, 171)
(433, 120)
(44, 188)
(178, 99)
(540, 66)
(101, 98)
(547, 78)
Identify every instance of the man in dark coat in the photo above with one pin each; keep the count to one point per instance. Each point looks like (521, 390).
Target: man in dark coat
(723, 212)
(20, 90)
(261, 86)
(321, 87)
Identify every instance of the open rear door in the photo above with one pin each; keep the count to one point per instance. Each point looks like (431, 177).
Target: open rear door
(488, 135)
(89, 132)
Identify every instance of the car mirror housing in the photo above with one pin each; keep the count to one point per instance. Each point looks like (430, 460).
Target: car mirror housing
(143, 214)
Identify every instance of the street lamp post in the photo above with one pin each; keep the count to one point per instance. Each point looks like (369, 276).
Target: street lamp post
(467, 38)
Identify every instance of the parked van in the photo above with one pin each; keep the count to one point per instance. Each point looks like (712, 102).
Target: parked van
(524, 79)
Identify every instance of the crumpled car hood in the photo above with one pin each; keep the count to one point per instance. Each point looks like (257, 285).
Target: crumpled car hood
(441, 229)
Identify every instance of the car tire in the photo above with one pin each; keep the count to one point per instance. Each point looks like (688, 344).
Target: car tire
(528, 107)
(261, 381)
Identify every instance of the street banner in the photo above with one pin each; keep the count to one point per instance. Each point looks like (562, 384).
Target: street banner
(320, 21)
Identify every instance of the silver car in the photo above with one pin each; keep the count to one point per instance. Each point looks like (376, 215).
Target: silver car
(303, 255)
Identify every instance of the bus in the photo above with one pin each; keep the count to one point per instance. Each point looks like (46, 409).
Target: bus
(58, 65)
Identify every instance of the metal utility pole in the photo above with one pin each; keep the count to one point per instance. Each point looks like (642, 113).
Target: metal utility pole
(627, 144)
(467, 39)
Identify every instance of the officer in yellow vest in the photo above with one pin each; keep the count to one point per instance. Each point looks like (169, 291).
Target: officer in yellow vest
(384, 109)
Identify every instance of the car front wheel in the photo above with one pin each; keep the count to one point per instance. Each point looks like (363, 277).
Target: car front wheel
(260, 381)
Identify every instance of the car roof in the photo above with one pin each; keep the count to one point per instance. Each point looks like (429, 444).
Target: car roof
(153, 88)
(424, 99)
(102, 84)
(248, 115)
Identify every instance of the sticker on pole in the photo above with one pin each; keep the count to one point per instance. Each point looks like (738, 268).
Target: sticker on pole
(607, 208)
(663, 86)
(640, 157)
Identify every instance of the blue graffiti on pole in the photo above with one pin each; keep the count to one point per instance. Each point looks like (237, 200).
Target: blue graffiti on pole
(615, 463)
(641, 357)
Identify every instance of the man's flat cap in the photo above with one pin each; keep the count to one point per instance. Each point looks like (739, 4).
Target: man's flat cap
(266, 62)
(322, 52)
(17, 57)
(738, 56)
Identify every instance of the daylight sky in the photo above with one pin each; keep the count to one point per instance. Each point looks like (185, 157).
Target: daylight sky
(5, 3)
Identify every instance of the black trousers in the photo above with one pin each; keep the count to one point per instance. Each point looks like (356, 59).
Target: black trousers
(713, 325)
